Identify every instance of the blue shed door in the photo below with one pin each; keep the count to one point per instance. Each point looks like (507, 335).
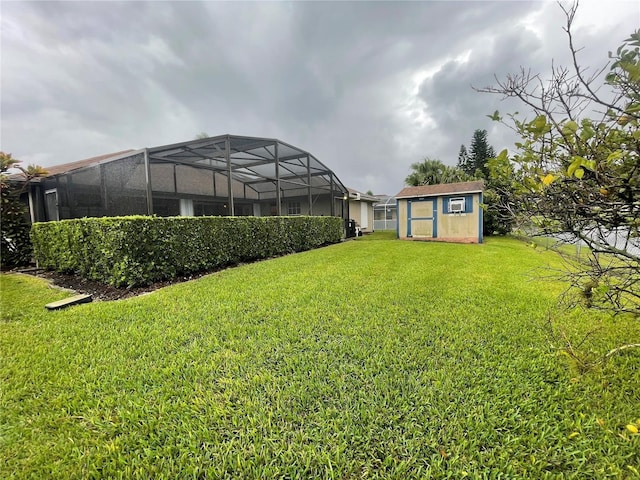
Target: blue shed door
(422, 218)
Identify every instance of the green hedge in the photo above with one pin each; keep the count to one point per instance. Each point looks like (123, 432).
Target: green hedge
(132, 251)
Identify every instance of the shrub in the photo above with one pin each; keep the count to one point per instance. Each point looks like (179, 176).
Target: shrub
(15, 247)
(130, 251)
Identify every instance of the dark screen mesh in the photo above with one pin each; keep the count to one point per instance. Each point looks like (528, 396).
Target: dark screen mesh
(125, 185)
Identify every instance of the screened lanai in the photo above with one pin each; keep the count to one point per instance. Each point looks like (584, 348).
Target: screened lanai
(385, 213)
(223, 175)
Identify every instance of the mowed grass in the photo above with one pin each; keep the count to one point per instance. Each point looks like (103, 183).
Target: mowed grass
(368, 359)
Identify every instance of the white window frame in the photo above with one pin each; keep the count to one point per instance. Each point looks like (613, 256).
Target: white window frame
(294, 208)
(457, 205)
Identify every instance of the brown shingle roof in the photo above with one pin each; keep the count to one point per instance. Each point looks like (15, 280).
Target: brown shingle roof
(441, 189)
(87, 162)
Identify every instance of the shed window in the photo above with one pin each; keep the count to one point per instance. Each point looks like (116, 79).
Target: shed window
(456, 205)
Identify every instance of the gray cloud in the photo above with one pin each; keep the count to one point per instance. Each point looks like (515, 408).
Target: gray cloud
(368, 88)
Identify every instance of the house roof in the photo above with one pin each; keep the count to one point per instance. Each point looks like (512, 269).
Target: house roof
(70, 166)
(441, 189)
(87, 162)
(363, 196)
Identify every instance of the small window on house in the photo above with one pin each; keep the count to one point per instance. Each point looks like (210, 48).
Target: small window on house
(293, 208)
(456, 205)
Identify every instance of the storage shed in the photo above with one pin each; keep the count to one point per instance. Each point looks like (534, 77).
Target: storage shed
(226, 175)
(445, 212)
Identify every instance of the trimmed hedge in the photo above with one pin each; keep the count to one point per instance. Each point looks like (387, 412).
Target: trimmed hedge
(139, 250)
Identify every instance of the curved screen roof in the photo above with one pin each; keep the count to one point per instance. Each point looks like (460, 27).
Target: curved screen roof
(252, 161)
(249, 160)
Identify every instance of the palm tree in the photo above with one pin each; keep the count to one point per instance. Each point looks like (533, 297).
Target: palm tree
(432, 171)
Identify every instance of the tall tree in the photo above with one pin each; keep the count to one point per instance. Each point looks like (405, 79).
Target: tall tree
(578, 168)
(432, 171)
(463, 159)
(479, 154)
(476, 164)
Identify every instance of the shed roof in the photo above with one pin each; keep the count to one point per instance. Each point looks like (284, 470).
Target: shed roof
(441, 189)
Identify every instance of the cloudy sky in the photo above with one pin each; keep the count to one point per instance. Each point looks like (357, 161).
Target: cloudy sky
(367, 87)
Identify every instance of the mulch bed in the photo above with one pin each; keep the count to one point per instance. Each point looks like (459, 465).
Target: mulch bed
(102, 291)
(99, 290)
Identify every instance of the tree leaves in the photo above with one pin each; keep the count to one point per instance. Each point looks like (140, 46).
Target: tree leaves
(570, 127)
(495, 116)
(577, 167)
(548, 179)
(433, 171)
(15, 245)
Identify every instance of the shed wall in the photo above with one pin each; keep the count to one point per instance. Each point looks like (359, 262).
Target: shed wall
(455, 227)
(459, 226)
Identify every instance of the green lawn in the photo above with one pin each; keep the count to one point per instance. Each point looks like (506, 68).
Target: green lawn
(367, 359)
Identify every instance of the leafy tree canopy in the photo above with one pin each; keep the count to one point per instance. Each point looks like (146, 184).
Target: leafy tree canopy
(475, 163)
(575, 173)
(474, 160)
(433, 171)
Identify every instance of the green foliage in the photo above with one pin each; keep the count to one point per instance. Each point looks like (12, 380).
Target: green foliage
(367, 359)
(432, 172)
(128, 251)
(498, 196)
(15, 246)
(578, 169)
(497, 219)
(474, 163)
(463, 159)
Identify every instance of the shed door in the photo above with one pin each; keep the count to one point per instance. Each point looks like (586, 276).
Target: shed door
(51, 204)
(422, 221)
(364, 215)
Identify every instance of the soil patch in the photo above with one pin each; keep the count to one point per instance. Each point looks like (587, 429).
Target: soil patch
(102, 291)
